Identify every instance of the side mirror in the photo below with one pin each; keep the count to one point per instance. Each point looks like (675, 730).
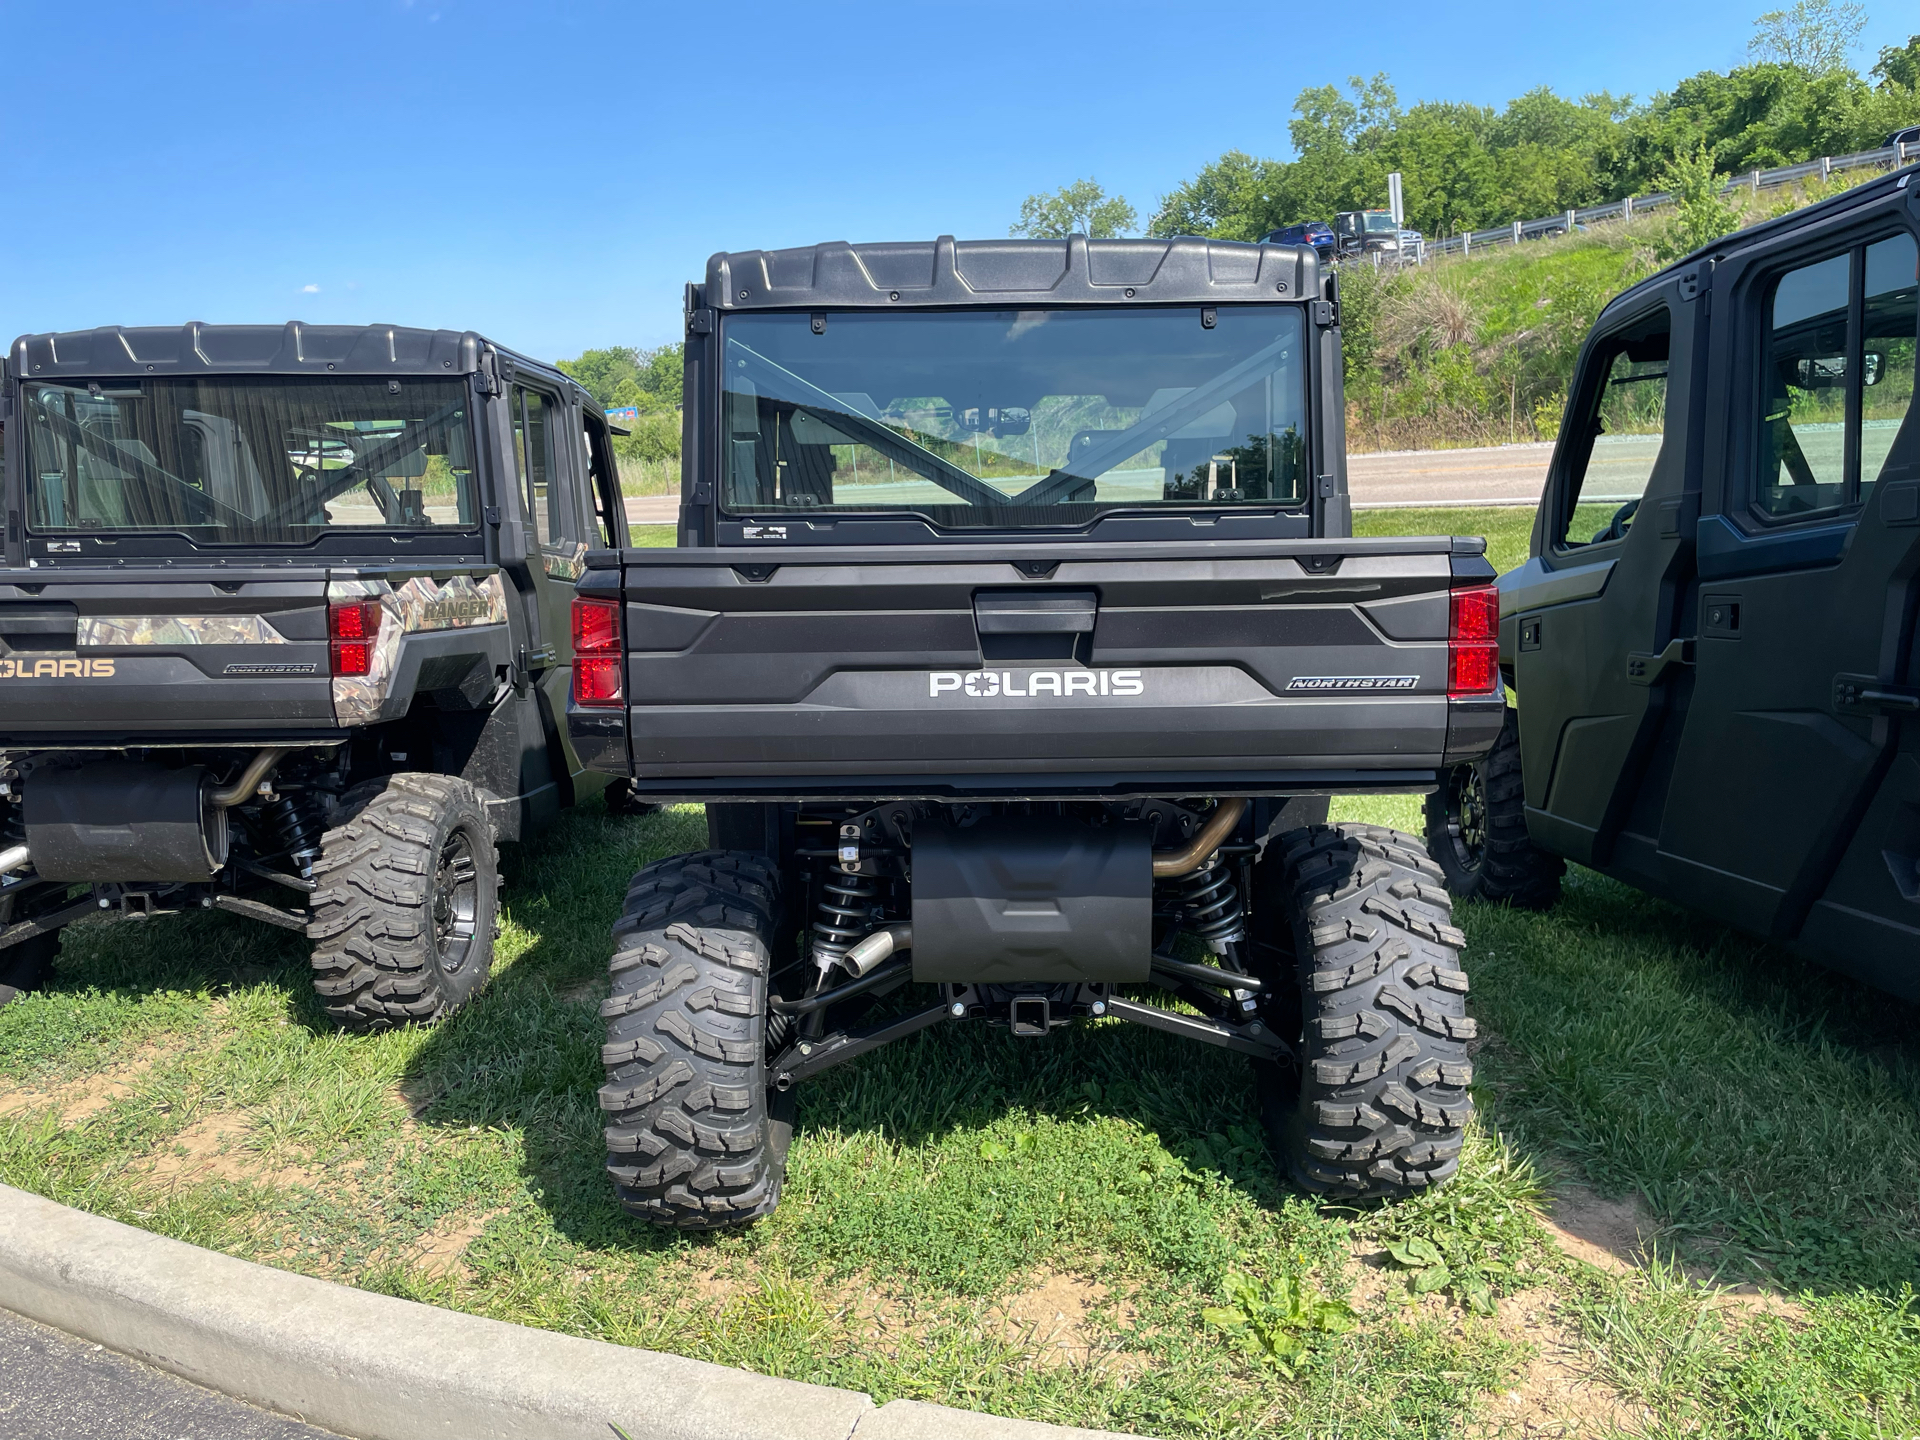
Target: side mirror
(1817, 372)
(1873, 366)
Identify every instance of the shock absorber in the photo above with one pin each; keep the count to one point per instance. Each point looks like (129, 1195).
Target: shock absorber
(295, 821)
(844, 915)
(1210, 904)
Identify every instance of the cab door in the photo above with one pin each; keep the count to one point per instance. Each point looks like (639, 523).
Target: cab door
(1805, 598)
(552, 478)
(1590, 624)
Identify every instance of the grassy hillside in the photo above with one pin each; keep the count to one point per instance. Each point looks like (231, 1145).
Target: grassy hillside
(1480, 350)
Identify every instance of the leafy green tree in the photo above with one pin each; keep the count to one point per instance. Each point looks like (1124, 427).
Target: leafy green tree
(1814, 35)
(1234, 198)
(605, 371)
(1899, 66)
(623, 375)
(1701, 213)
(1082, 208)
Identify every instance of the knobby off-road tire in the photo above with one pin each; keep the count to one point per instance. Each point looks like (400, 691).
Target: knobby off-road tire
(404, 919)
(1477, 831)
(694, 1141)
(1379, 1102)
(27, 966)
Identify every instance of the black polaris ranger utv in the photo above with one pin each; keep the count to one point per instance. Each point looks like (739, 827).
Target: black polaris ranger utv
(1014, 640)
(1719, 691)
(284, 631)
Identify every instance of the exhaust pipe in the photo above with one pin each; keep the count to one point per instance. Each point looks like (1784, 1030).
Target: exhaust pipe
(1189, 857)
(13, 857)
(863, 955)
(242, 789)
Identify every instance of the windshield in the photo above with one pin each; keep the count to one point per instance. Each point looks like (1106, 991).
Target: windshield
(1380, 222)
(255, 461)
(1007, 418)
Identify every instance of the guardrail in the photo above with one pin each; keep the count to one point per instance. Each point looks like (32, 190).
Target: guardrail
(1753, 181)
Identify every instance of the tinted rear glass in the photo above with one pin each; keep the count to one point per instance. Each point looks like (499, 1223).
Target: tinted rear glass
(248, 461)
(1011, 418)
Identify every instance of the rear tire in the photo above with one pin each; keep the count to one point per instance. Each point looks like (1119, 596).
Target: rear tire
(404, 921)
(694, 1140)
(1477, 831)
(27, 966)
(1379, 1104)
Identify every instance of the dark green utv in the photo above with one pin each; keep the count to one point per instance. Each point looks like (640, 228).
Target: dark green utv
(1716, 666)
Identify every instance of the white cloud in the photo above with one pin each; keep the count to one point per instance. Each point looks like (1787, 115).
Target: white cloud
(309, 289)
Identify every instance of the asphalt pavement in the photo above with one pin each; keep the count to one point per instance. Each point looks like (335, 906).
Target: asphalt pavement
(1491, 475)
(54, 1387)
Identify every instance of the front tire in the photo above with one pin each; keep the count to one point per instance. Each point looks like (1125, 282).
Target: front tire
(404, 919)
(1476, 826)
(1379, 1103)
(694, 1140)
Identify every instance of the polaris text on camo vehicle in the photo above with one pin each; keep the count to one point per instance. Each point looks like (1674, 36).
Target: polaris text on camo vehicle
(1014, 639)
(284, 632)
(1716, 670)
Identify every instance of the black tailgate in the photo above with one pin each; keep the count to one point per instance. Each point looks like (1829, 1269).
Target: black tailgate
(1095, 665)
(149, 654)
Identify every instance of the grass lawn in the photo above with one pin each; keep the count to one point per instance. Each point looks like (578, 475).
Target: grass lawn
(1086, 1230)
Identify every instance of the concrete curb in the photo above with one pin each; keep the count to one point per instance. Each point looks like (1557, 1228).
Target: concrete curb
(378, 1368)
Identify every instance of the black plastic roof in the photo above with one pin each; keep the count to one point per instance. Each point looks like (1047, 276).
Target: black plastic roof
(1074, 271)
(290, 349)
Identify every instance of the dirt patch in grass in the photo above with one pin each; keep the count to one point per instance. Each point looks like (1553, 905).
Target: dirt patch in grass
(1618, 1236)
(74, 1100)
(1609, 1235)
(1555, 1393)
(440, 1252)
(1052, 1318)
(215, 1148)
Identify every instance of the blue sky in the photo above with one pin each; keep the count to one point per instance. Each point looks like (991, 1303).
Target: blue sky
(551, 176)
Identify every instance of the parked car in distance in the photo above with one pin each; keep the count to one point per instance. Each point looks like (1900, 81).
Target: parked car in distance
(1316, 233)
(1908, 136)
(1366, 232)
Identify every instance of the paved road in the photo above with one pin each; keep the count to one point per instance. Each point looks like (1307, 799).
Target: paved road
(1496, 475)
(54, 1387)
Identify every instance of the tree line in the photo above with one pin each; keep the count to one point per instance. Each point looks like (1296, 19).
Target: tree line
(1468, 167)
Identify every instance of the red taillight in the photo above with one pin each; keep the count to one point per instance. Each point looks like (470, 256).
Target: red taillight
(596, 652)
(1473, 642)
(352, 629)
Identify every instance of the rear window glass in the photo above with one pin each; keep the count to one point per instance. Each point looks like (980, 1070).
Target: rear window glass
(1008, 418)
(248, 461)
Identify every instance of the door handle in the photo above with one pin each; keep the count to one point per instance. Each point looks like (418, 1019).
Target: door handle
(1644, 668)
(1865, 695)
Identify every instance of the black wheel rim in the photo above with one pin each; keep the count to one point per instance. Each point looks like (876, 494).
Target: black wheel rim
(456, 902)
(1467, 815)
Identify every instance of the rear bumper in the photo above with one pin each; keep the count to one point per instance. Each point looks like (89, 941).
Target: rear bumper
(1297, 747)
(1145, 783)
